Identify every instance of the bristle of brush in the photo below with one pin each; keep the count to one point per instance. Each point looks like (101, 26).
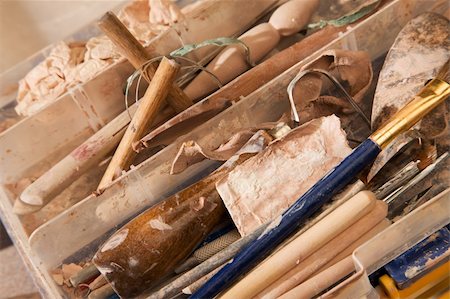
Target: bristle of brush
(444, 73)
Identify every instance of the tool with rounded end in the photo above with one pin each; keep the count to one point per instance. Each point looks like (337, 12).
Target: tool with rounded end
(303, 246)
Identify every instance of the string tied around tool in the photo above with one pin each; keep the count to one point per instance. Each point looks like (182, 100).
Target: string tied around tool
(179, 54)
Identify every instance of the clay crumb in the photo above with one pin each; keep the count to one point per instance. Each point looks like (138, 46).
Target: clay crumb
(159, 224)
(133, 262)
(58, 278)
(199, 204)
(115, 240)
(412, 271)
(70, 270)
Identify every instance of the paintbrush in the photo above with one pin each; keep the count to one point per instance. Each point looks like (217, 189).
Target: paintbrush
(434, 93)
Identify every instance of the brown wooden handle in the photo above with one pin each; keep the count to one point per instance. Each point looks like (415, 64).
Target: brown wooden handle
(126, 43)
(132, 50)
(145, 115)
(150, 247)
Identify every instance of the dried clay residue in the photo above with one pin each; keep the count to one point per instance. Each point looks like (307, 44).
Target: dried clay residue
(159, 224)
(258, 190)
(115, 240)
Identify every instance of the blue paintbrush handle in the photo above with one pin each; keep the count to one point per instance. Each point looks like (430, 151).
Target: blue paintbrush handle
(291, 219)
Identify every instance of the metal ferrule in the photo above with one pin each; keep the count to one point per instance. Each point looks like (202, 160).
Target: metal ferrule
(433, 94)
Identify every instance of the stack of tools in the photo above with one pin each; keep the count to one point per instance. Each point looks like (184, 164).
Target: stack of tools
(292, 156)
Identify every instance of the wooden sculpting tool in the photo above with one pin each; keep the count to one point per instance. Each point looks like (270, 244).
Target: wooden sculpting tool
(308, 266)
(246, 83)
(303, 246)
(434, 93)
(145, 115)
(150, 104)
(324, 277)
(70, 168)
(136, 54)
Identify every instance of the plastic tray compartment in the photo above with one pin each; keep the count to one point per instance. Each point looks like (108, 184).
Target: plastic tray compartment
(71, 236)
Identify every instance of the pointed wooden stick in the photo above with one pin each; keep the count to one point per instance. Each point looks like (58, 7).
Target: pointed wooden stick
(145, 115)
(136, 54)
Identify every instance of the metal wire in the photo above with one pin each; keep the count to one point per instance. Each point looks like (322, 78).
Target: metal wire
(138, 73)
(336, 83)
(196, 65)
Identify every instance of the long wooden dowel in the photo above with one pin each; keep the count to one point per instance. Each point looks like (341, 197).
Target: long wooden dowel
(321, 281)
(310, 265)
(136, 54)
(303, 246)
(145, 115)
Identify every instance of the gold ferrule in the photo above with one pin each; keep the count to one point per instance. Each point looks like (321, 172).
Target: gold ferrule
(434, 93)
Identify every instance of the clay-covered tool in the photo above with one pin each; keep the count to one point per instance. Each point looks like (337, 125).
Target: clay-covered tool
(152, 100)
(244, 85)
(148, 248)
(418, 52)
(432, 95)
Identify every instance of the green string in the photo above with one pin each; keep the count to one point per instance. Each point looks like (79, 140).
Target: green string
(347, 19)
(220, 42)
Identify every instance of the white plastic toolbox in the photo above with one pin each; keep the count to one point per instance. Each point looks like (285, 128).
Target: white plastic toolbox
(86, 108)
(74, 234)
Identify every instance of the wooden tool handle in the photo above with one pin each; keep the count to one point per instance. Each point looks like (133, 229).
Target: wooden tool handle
(303, 246)
(321, 281)
(326, 253)
(160, 238)
(136, 54)
(145, 115)
(126, 43)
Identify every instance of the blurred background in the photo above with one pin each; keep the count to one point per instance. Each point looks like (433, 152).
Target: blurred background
(26, 26)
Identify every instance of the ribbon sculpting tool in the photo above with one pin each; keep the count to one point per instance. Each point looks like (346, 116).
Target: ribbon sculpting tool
(434, 93)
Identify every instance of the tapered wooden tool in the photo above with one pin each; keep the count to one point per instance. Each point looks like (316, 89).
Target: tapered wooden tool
(434, 93)
(145, 115)
(136, 54)
(320, 257)
(71, 167)
(303, 246)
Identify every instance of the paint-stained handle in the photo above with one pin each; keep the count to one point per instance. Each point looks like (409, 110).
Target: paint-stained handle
(291, 219)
